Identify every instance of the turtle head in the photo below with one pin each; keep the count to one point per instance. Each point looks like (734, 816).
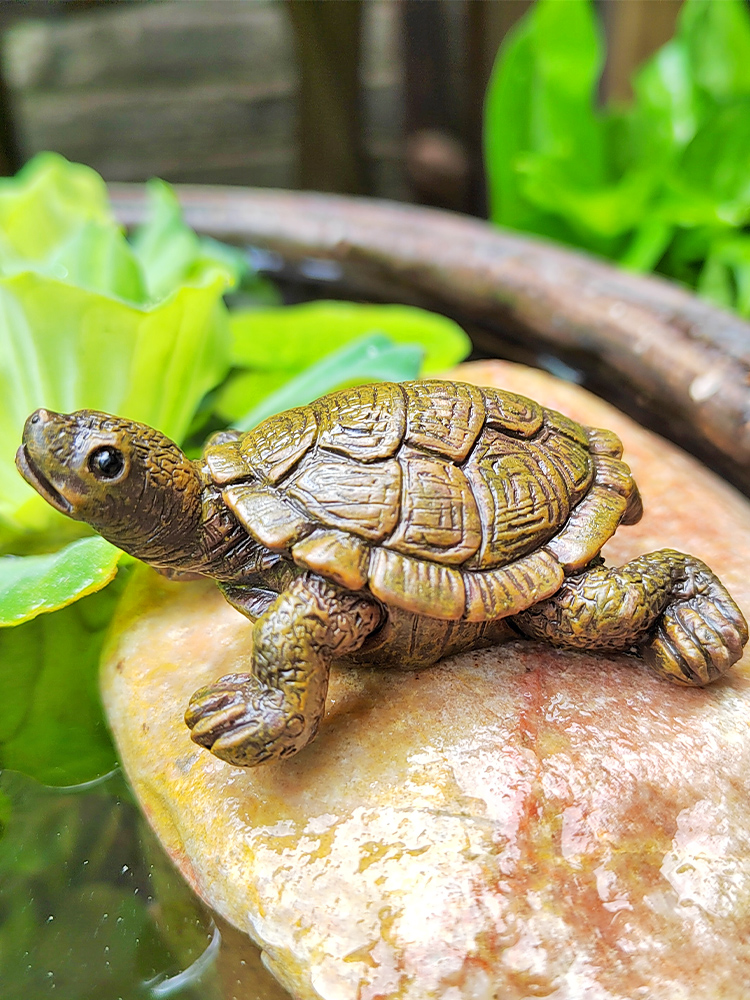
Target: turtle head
(127, 480)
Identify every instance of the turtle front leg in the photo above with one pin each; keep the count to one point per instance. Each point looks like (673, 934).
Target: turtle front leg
(669, 606)
(274, 711)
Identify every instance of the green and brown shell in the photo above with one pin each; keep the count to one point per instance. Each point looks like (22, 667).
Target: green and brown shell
(445, 499)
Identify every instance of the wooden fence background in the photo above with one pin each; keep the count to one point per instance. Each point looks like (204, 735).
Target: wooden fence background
(378, 97)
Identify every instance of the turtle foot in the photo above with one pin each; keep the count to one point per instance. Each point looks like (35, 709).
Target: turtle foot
(242, 722)
(700, 634)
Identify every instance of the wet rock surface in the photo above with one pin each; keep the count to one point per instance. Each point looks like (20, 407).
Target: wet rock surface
(517, 822)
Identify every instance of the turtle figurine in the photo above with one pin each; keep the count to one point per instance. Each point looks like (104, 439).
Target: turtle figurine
(390, 524)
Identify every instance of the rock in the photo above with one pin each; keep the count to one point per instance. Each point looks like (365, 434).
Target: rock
(518, 822)
(240, 968)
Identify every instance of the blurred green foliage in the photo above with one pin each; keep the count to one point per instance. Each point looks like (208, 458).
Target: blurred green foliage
(661, 184)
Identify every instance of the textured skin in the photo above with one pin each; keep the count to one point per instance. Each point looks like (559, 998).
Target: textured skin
(391, 524)
(668, 605)
(275, 711)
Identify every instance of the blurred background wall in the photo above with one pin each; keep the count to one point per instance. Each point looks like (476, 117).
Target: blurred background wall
(377, 97)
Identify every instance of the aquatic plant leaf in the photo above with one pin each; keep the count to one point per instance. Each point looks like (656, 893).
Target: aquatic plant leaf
(32, 585)
(52, 727)
(171, 253)
(98, 257)
(66, 348)
(86, 321)
(45, 203)
(292, 337)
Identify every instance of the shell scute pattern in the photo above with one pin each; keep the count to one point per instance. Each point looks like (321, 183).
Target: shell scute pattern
(569, 428)
(364, 499)
(570, 454)
(444, 417)
(614, 474)
(592, 522)
(277, 444)
(445, 499)
(225, 462)
(267, 515)
(427, 588)
(439, 516)
(337, 554)
(365, 423)
(604, 442)
(513, 414)
(513, 588)
(521, 495)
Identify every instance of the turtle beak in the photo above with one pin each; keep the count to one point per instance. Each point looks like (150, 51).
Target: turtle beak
(30, 458)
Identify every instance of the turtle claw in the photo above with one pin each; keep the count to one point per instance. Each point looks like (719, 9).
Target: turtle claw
(215, 706)
(700, 635)
(209, 727)
(242, 722)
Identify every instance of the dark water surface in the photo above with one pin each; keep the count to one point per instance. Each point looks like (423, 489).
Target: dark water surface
(91, 908)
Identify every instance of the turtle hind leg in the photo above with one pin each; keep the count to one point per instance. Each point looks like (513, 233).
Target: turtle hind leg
(669, 606)
(274, 711)
(701, 633)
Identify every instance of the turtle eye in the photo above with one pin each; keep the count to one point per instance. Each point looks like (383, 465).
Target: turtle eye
(106, 463)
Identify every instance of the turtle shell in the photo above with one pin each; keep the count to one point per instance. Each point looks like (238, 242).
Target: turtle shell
(443, 498)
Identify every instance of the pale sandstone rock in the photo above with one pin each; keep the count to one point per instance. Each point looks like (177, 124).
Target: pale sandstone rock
(518, 822)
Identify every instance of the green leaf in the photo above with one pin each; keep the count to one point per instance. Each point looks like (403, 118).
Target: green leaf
(171, 254)
(98, 257)
(662, 183)
(725, 278)
(31, 585)
(539, 114)
(717, 40)
(596, 216)
(568, 57)
(716, 164)
(667, 110)
(52, 727)
(244, 389)
(292, 337)
(66, 348)
(367, 359)
(715, 283)
(86, 321)
(276, 345)
(645, 250)
(45, 204)
(507, 118)
(6, 809)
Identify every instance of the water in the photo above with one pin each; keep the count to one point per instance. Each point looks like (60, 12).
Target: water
(92, 909)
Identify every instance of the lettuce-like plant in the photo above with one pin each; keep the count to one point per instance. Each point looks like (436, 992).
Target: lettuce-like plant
(659, 184)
